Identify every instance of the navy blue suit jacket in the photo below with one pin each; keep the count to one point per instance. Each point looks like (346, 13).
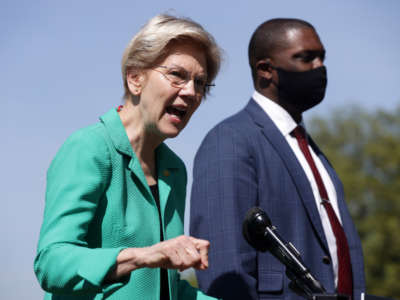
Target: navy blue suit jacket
(244, 162)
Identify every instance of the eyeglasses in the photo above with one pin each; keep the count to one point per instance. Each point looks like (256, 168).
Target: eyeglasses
(179, 77)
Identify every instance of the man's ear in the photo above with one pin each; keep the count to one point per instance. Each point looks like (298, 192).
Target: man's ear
(264, 69)
(264, 73)
(134, 80)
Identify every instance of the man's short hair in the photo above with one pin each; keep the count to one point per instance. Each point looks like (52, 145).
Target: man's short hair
(269, 37)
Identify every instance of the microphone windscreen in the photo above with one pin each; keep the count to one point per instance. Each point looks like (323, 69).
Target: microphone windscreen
(253, 229)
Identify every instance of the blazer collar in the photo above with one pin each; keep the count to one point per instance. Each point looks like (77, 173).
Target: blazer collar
(167, 161)
(116, 131)
(166, 158)
(279, 143)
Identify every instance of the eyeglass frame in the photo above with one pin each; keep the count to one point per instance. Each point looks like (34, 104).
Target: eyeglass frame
(205, 89)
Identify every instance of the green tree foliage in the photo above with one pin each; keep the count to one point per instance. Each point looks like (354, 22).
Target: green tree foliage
(364, 148)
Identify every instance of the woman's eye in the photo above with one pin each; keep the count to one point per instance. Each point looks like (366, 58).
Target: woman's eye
(200, 82)
(177, 74)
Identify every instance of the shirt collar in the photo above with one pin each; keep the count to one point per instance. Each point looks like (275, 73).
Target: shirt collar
(281, 118)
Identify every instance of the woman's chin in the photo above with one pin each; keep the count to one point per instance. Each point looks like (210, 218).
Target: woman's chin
(171, 130)
(171, 133)
(167, 132)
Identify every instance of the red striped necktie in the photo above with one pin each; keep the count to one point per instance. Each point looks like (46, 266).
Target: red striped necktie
(345, 280)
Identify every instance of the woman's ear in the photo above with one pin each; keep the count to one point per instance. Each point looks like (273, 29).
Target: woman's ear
(134, 80)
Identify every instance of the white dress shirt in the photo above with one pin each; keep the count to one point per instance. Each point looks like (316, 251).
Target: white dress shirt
(286, 125)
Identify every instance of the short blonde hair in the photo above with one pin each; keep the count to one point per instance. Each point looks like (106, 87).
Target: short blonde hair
(149, 45)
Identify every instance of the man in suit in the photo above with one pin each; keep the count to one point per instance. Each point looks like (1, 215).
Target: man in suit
(263, 157)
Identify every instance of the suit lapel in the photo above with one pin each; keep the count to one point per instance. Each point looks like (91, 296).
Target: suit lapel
(347, 222)
(282, 148)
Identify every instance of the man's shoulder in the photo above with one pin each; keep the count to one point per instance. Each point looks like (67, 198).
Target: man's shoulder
(237, 127)
(238, 121)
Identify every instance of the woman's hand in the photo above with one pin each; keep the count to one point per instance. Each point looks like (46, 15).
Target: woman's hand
(181, 253)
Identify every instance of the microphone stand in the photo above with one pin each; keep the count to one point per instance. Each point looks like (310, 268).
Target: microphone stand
(302, 282)
(262, 236)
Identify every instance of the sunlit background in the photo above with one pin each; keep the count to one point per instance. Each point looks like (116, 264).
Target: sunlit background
(60, 70)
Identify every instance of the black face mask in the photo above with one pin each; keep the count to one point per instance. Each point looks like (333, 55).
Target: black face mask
(302, 90)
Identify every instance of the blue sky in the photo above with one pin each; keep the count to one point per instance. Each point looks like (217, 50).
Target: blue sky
(60, 70)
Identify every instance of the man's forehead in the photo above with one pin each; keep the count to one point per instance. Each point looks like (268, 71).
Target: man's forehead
(292, 33)
(302, 37)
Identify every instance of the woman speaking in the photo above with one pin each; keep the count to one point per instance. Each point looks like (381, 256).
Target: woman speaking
(115, 195)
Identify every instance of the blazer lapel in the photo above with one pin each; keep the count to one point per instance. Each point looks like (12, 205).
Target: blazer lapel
(282, 148)
(166, 168)
(117, 133)
(347, 222)
(136, 169)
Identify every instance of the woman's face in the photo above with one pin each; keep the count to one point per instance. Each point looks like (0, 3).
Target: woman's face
(172, 90)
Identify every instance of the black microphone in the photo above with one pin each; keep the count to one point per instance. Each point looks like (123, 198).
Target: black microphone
(262, 236)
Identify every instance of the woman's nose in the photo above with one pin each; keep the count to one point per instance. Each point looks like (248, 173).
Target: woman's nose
(189, 89)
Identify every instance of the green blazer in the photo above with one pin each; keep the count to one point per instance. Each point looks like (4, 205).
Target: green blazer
(97, 203)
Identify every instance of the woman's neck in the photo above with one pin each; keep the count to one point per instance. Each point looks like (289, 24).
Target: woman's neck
(143, 143)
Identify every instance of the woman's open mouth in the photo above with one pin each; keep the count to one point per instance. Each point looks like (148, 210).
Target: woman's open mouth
(176, 112)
